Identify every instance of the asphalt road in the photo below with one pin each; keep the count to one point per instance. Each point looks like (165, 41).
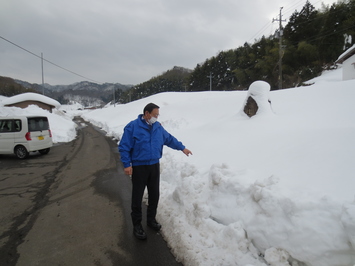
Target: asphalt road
(72, 207)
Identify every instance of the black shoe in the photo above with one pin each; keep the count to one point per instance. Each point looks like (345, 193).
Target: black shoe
(154, 225)
(139, 232)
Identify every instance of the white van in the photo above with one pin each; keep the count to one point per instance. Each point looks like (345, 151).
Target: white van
(24, 134)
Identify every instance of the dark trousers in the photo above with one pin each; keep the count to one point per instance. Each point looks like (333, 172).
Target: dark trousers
(145, 176)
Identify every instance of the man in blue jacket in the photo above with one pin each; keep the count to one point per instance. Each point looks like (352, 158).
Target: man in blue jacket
(141, 147)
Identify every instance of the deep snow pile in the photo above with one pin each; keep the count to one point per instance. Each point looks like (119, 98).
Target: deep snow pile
(280, 184)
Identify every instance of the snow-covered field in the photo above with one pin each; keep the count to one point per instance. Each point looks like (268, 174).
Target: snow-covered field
(275, 189)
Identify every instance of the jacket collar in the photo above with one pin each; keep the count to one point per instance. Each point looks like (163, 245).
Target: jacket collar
(142, 122)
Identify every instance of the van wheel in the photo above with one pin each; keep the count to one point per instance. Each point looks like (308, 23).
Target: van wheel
(44, 151)
(21, 152)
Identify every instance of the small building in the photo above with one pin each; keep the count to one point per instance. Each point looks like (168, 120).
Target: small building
(347, 59)
(25, 99)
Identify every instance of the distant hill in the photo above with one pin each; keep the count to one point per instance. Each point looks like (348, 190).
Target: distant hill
(174, 79)
(9, 87)
(91, 94)
(86, 93)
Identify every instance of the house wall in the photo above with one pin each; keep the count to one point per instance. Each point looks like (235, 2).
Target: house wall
(25, 104)
(349, 68)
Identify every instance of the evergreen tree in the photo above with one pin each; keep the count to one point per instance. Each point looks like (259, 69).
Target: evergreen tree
(337, 25)
(302, 26)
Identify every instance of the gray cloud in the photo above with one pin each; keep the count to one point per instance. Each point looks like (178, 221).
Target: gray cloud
(125, 41)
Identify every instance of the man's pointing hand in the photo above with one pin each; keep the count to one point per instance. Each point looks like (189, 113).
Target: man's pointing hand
(187, 152)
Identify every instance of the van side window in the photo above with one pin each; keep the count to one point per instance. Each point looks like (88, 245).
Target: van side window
(5, 125)
(9, 125)
(18, 126)
(2, 125)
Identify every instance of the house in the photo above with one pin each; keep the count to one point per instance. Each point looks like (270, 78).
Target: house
(347, 59)
(25, 99)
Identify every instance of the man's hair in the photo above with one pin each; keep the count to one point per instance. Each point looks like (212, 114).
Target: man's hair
(149, 107)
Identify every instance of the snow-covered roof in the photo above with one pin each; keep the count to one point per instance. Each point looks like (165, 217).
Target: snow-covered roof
(348, 53)
(30, 96)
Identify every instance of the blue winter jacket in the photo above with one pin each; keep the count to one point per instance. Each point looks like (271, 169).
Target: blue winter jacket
(142, 144)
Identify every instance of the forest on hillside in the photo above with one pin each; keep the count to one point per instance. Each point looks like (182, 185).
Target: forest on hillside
(9, 87)
(311, 42)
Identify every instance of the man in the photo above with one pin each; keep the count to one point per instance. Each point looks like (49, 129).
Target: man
(141, 147)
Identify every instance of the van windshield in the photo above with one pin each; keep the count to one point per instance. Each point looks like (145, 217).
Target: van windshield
(38, 124)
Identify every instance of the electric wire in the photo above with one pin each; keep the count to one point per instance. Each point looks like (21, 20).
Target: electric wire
(267, 25)
(289, 10)
(72, 72)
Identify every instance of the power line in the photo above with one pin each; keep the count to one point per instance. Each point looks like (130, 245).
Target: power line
(293, 7)
(329, 33)
(269, 24)
(289, 10)
(260, 31)
(72, 72)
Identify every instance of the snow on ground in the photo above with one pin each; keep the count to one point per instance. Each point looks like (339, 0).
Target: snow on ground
(275, 189)
(279, 184)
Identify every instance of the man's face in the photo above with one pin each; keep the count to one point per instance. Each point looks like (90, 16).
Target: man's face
(154, 113)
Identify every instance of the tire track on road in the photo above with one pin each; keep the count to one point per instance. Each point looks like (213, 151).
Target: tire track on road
(23, 223)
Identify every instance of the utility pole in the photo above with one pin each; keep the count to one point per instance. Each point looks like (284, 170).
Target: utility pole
(114, 100)
(280, 20)
(42, 74)
(210, 76)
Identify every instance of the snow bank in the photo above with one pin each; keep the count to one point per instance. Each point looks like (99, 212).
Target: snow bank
(268, 190)
(273, 189)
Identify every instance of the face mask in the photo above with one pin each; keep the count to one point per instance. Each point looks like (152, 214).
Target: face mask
(152, 120)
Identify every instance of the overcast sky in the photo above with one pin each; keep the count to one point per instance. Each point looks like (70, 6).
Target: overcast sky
(127, 41)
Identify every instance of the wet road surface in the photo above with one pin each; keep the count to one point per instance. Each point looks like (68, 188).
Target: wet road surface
(72, 207)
